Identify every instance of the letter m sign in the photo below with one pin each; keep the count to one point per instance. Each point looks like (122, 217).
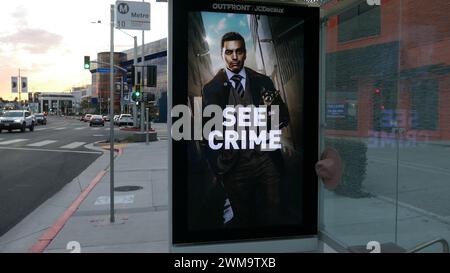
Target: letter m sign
(123, 8)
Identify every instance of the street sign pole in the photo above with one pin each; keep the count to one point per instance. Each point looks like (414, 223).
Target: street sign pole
(111, 123)
(135, 80)
(121, 97)
(142, 81)
(146, 126)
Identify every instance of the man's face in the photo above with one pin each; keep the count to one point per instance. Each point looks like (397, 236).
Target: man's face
(233, 53)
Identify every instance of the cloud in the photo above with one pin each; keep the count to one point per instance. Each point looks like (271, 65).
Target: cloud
(221, 25)
(20, 15)
(242, 23)
(37, 41)
(33, 40)
(230, 15)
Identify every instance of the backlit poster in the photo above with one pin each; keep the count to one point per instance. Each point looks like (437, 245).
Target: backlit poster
(244, 121)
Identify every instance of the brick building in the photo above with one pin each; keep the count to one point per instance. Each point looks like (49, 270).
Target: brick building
(388, 66)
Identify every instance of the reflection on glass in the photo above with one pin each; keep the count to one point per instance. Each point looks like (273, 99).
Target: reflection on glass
(387, 82)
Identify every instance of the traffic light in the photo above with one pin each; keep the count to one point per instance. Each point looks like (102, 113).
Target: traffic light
(136, 95)
(378, 108)
(151, 76)
(150, 97)
(130, 75)
(87, 62)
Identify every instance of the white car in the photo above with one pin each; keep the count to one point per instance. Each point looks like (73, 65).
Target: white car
(125, 119)
(116, 119)
(16, 119)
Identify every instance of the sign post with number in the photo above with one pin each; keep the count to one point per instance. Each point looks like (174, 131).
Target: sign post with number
(132, 15)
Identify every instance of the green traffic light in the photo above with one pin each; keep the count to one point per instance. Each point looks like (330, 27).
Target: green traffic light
(87, 62)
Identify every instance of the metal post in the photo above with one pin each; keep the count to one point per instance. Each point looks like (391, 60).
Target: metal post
(19, 86)
(146, 126)
(135, 80)
(121, 96)
(111, 124)
(142, 82)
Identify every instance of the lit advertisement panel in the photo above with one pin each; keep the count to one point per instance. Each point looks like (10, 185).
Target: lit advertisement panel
(244, 121)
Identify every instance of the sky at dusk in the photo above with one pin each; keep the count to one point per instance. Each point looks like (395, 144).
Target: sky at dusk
(48, 39)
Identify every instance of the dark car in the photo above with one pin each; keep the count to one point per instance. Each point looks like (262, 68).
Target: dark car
(96, 120)
(41, 119)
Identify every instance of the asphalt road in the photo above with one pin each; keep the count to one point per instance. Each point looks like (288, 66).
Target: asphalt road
(36, 165)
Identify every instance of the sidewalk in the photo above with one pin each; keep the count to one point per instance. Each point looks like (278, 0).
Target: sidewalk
(141, 215)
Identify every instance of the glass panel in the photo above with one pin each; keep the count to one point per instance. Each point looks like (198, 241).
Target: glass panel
(387, 101)
(360, 93)
(424, 162)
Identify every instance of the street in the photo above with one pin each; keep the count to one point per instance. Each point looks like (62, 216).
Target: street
(36, 165)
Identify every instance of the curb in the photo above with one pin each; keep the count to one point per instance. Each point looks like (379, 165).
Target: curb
(45, 240)
(48, 236)
(420, 211)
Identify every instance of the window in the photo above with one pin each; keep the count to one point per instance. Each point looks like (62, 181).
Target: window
(425, 105)
(359, 22)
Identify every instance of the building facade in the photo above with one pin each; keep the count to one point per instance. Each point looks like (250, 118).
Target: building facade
(57, 103)
(101, 82)
(392, 69)
(155, 54)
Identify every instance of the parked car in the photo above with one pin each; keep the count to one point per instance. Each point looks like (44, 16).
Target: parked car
(17, 119)
(106, 118)
(40, 118)
(87, 117)
(96, 120)
(125, 119)
(116, 119)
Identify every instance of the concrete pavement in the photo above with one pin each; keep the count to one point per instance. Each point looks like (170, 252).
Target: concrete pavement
(141, 215)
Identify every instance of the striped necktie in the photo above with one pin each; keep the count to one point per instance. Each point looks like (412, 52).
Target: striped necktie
(238, 85)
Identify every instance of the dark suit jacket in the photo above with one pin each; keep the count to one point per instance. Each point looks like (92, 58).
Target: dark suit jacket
(217, 92)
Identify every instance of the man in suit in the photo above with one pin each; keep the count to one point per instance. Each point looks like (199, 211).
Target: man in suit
(250, 177)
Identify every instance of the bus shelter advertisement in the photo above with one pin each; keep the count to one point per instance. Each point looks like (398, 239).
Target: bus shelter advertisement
(244, 121)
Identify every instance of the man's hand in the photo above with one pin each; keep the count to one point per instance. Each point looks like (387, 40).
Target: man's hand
(329, 168)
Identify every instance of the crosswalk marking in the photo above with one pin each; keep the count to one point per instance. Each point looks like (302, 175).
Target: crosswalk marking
(79, 128)
(42, 143)
(13, 141)
(95, 129)
(60, 128)
(73, 145)
(40, 129)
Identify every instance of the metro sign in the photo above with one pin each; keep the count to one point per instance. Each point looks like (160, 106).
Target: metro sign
(132, 15)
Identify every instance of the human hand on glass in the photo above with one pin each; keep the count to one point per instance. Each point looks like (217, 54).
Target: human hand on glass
(329, 168)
